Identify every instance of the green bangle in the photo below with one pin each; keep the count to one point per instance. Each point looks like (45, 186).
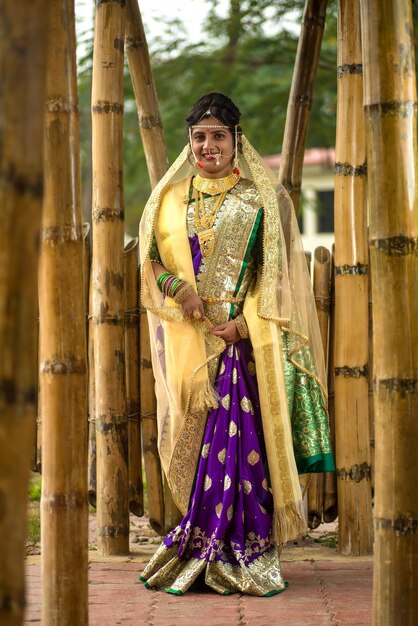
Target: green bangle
(161, 279)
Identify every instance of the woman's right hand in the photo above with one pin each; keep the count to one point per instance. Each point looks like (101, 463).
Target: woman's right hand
(192, 306)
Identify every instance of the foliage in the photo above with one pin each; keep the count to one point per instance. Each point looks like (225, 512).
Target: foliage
(35, 488)
(248, 55)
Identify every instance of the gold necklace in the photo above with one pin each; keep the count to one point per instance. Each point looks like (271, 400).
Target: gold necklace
(213, 186)
(204, 220)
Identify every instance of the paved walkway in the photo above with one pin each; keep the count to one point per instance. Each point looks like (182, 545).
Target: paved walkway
(324, 588)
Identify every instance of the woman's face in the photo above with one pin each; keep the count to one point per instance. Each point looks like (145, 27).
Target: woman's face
(211, 145)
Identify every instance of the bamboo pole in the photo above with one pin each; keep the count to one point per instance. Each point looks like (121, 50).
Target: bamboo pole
(152, 136)
(62, 358)
(91, 455)
(107, 276)
(150, 124)
(351, 295)
(148, 403)
(136, 497)
(322, 262)
(300, 98)
(330, 508)
(390, 104)
(23, 28)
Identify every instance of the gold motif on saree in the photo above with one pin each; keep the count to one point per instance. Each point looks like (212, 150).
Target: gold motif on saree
(231, 350)
(208, 483)
(205, 450)
(247, 486)
(227, 482)
(230, 512)
(218, 509)
(232, 431)
(221, 371)
(222, 456)
(253, 457)
(234, 376)
(262, 509)
(226, 402)
(264, 484)
(251, 368)
(247, 405)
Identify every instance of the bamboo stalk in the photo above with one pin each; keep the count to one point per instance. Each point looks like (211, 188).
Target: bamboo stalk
(92, 452)
(23, 28)
(371, 393)
(107, 271)
(149, 431)
(351, 295)
(136, 497)
(150, 124)
(63, 369)
(300, 98)
(330, 508)
(152, 136)
(390, 104)
(322, 262)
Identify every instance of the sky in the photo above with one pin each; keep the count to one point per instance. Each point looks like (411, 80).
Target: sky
(191, 12)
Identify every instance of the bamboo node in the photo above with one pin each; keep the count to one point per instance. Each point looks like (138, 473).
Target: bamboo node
(396, 246)
(393, 108)
(134, 42)
(62, 233)
(150, 121)
(349, 68)
(303, 100)
(351, 270)
(104, 106)
(357, 473)
(108, 214)
(59, 104)
(404, 386)
(68, 365)
(22, 184)
(402, 525)
(117, 425)
(322, 303)
(314, 20)
(352, 372)
(345, 169)
(135, 417)
(112, 531)
(150, 415)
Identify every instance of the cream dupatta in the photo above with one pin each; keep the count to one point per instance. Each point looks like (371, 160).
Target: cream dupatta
(281, 299)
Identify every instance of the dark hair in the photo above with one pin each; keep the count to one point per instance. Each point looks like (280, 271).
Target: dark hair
(221, 107)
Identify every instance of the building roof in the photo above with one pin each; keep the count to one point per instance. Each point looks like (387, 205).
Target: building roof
(323, 157)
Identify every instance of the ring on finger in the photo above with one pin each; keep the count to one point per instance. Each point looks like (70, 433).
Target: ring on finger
(196, 314)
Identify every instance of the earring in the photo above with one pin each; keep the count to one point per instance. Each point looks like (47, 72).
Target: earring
(236, 168)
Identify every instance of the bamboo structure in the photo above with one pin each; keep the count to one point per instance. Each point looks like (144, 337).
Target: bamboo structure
(23, 28)
(150, 124)
(330, 507)
(91, 456)
(300, 98)
(390, 105)
(62, 358)
(351, 295)
(107, 280)
(321, 281)
(151, 131)
(136, 497)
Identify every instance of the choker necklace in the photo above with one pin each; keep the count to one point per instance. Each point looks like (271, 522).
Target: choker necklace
(213, 186)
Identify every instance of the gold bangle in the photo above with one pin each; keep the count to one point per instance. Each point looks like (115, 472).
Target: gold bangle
(242, 327)
(184, 291)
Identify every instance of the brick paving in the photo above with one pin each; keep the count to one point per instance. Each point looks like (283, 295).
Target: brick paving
(324, 588)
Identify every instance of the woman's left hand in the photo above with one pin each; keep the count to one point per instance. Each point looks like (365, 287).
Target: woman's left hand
(228, 332)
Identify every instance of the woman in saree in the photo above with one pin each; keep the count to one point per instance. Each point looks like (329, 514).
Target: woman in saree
(237, 359)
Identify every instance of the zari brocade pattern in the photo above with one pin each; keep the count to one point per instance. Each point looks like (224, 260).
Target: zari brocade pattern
(227, 531)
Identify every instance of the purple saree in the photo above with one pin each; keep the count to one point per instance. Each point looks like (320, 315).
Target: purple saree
(227, 531)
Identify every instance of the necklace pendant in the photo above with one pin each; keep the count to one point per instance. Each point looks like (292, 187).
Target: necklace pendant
(206, 241)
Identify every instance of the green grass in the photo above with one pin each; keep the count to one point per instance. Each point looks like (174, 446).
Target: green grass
(35, 488)
(34, 524)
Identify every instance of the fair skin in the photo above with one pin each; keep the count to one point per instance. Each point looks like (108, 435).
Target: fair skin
(210, 145)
